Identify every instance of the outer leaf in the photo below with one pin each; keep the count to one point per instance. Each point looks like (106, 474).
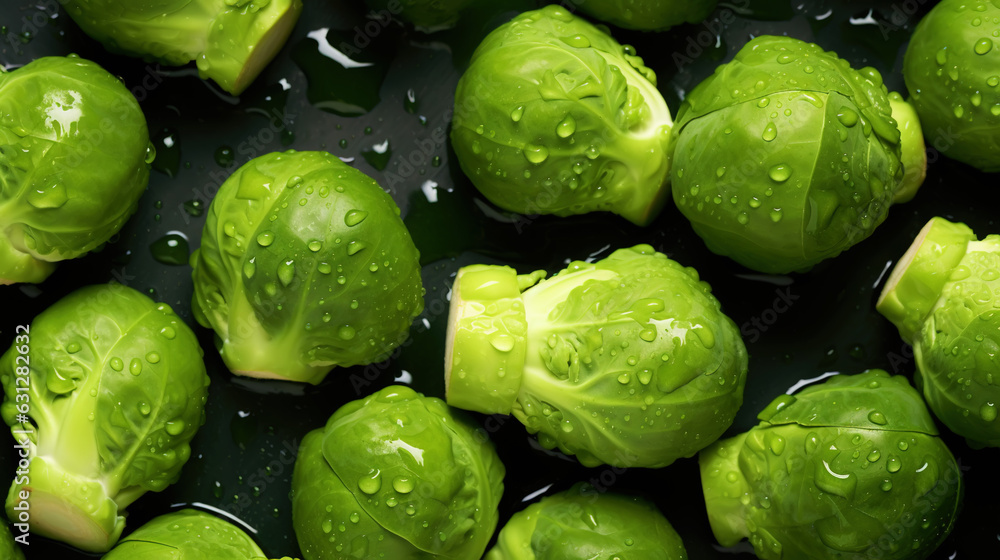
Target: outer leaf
(583, 523)
(187, 535)
(555, 117)
(817, 156)
(73, 145)
(305, 265)
(842, 474)
(9, 550)
(117, 391)
(396, 474)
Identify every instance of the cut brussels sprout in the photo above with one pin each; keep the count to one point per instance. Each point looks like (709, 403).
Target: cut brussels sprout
(116, 389)
(952, 69)
(231, 41)
(942, 296)
(628, 361)
(396, 475)
(73, 163)
(647, 15)
(584, 523)
(553, 116)
(187, 535)
(850, 468)
(787, 156)
(305, 265)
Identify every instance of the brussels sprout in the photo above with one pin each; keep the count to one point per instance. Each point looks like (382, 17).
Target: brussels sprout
(230, 40)
(584, 523)
(952, 69)
(648, 15)
(8, 550)
(187, 535)
(305, 265)
(942, 296)
(786, 156)
(396, 475)
(73, 163)
(555, 117)
(113, 394)
(850, 468)
(429, 15)
(628, 361)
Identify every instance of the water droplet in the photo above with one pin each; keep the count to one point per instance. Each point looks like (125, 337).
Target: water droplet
(355, 217)
(578, 41)
(194, 208)
(355, 247)
(117, 364)
(73, 347)
(770, 132)
(355, 518)
(315, 245)
(763, 102)
(346, 332)
(847, 116)
(402, 484)
(286, 272)
(959, 111)
(327, 526)
(983, 46)
(893, 464)
(567, 127)
(502, 342)
(988, 412)
(942, 56)
(776, 215)
(144, 408)
(250, 268)
(874, 455)
(886, 485)
(371, 483)
(536, 154)
(780, 173)
(876, 417)
(648, 334)
(517, 113)
(175, 428)
(153, 358)
(135, 366)
(265, 239)
(224, 156)
(324, 268)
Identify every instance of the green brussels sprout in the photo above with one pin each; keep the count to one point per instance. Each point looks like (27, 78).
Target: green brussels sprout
(787, 156)
(396, 475)
(942, 296)
(187, 535)
(849, 468)
(104, 392)
(8, 549)
(648, 15)
(73, 163)
(952, 69)
(628, 361)
(305, 265)
(231, 41)
(553, 116)
(429, 15)
(584, 523)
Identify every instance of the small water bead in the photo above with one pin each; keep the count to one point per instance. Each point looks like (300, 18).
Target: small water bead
(959, 111)
(324, 268)
(886, 485)
(517, 113)
(536, 154)
(355, 217)
(117, 364)
(265, 239)
(315, 245)
(144, 408)
(876, 417)
(73, 347)
(286, 272)
(567, 127)
(983, 46)
(894, 464)
(355, 247)
(347, 332)
(135, 366)
(988, 412)
(250, 268)
(780, 173)
(371, 483)
(153, 358)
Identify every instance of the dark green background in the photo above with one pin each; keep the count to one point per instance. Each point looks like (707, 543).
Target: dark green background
(253, 425)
